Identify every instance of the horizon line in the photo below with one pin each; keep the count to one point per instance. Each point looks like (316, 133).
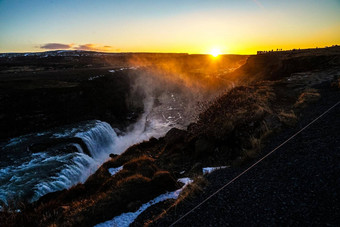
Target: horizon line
(146, 52)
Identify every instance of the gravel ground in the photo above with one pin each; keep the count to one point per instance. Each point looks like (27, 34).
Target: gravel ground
(299, 184)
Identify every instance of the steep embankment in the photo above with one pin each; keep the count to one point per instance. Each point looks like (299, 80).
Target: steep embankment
(296, 185)
(231, 131)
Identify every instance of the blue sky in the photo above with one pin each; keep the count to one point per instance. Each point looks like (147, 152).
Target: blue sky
(193, 26)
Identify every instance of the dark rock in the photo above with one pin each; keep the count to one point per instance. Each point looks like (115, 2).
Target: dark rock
(174, 135)
(164, 180)
(113, 155)
(153, 140)
(203, 147)
(196, 168)
(61, 142)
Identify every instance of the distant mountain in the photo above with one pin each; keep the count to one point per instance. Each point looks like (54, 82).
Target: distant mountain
(77, 53)
(63, 53)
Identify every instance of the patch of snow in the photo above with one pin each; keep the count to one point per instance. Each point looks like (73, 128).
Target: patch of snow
(125, 219)
(185, 181)
(113, 171)
(95, 77)
(208, 170)
(123, 68)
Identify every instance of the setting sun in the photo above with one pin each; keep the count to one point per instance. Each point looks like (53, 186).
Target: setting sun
(215, 52)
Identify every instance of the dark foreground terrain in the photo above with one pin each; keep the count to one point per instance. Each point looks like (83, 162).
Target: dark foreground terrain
(276, 94)
(296, 185)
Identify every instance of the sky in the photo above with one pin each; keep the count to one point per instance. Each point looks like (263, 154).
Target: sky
(179, 26)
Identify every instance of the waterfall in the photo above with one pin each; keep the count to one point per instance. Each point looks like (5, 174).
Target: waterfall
(28, 176)
(75, 170)
(100, 139)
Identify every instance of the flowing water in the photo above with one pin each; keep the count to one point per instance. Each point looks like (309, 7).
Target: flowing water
(36, 164)
(25, 174)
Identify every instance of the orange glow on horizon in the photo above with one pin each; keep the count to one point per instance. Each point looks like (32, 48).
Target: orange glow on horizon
(215, 52)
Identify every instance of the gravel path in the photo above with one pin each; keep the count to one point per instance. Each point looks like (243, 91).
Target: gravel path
(299, 184)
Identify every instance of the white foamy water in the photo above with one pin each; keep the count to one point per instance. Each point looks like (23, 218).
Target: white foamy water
(125, 219)
(100, 140)
(26, 175)
(113, 171)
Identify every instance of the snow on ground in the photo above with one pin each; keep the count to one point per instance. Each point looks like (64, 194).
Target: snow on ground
(208, 170)
(125, 219)
(113, 171)
(185, 181)
(124, 68)
(96, 77)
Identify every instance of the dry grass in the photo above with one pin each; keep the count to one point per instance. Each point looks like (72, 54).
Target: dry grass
(193, 189)
(287, 118)
(307, 96)
(136, 163)
(188, 193)
(132, 180)
(143, 165)
(256, 145)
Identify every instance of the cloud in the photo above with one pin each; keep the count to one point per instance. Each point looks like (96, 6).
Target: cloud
(258, 3)
(93, 47)
(56, 46)
(72, 46)
(88, 46)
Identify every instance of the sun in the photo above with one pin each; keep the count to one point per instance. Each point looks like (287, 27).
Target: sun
(215, 52)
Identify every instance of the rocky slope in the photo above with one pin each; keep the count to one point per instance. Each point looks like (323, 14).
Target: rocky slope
(296, 185)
